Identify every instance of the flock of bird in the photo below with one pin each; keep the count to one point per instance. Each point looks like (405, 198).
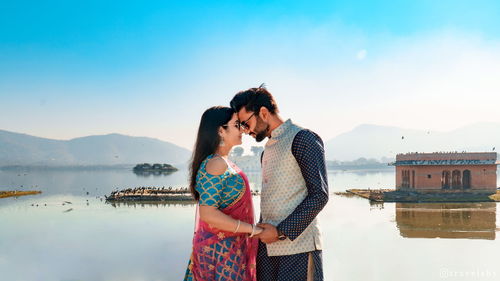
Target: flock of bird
(142, 190)
(149, 190)
(64, 203)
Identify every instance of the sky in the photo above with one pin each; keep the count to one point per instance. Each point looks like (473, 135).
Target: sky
(76, 68)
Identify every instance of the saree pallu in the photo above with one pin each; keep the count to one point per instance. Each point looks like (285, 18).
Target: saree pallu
(222, 255)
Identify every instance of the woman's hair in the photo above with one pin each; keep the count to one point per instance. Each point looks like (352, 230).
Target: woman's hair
(208, 140)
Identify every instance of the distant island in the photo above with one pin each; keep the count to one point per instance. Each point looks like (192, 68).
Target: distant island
(146, 167)
(16, 193)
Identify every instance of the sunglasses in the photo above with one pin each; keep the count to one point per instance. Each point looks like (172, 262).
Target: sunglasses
(244, 124)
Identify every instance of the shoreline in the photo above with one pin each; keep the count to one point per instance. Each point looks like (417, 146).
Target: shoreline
(392, 195)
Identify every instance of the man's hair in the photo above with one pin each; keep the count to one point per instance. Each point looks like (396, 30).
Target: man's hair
(253, 99)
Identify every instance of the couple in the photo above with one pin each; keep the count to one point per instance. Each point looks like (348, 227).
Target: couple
(286, 244)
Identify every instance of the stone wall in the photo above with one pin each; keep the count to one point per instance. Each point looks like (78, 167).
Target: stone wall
(483, 177)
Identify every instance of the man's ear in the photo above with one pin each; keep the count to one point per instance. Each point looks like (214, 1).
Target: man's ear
(264, 113)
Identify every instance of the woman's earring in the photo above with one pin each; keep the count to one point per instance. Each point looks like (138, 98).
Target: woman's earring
(222, 142)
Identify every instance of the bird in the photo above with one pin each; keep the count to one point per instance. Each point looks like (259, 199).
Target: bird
(493, 148)
(68, 202)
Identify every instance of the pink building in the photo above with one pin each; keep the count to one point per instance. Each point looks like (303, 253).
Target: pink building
(447, 171)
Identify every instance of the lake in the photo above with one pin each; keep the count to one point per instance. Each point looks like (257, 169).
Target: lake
(89, 239)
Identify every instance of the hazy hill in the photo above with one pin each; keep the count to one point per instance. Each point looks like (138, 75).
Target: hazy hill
(112, 149)
(364, 141)
(373, 141)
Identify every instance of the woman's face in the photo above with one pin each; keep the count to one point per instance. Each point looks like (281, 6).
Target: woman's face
(232, 133)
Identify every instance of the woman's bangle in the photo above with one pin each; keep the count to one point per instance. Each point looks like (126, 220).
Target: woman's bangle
(237, 227)
(253, 231)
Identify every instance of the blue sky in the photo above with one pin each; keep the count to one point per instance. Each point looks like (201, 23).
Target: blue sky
(76, 68)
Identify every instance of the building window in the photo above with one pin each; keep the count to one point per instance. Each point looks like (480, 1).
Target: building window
(429, 176)
(406, 178)
(403, 174)
(456, 179)
(466, 179)
(445, 180)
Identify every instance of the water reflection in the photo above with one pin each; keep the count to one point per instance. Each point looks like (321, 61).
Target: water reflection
(157, 238)
(83, 183)
(153, 173)
(151, 204)
(374, 205)
(447, 220)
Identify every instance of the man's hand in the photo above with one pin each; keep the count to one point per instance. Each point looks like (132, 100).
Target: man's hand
(269, 234)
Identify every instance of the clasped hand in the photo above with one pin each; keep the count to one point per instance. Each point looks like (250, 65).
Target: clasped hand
(269, 233)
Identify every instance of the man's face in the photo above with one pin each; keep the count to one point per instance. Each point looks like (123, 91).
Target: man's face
(257, 128)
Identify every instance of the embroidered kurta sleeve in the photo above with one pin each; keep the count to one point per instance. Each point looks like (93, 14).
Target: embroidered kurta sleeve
(308, 150)
(210, 189)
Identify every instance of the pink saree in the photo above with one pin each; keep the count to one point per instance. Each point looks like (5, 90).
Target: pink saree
(222, 255)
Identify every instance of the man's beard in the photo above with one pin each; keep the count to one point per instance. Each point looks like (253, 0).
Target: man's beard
(261, 134)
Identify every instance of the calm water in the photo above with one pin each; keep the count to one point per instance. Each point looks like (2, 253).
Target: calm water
(91, 240)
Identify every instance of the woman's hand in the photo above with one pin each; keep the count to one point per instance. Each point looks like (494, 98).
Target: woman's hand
(269, 234)
(258, 230)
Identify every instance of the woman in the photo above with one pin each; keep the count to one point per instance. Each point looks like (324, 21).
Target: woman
(223, 243)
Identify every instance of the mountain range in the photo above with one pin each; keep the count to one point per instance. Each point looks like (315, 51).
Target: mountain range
(112, 149)
(383, 142)
(365, 141)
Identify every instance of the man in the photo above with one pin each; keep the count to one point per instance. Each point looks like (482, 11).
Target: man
(294, 190)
